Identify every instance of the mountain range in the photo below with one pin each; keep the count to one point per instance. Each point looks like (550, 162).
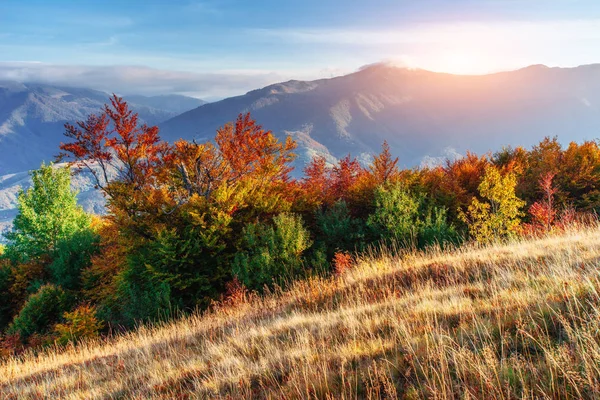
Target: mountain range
(424, 116)
(32, 118)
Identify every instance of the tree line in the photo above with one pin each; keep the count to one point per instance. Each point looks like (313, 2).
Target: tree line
(188, 221)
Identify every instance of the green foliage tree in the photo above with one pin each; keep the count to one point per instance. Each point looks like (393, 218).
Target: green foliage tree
(48, 214)
(41, 310)
(435, 229)
(499, 215)
(338, 230)
(137, 298)
(396, 215)
(191, 261)
(272, 253)
(402, 217)
(71, 256)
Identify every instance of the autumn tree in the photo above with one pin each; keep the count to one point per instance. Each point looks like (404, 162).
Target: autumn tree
(343, 175)
(543, 213)
(579, 176)
(384, 167)
(545, 157)
(316, 183)
(123, 157)
(497, 216)
(116, 142)
(454, 184)
(249, 150)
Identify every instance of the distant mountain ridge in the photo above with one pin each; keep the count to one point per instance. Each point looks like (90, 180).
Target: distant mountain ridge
(32, 118)
(423, 115)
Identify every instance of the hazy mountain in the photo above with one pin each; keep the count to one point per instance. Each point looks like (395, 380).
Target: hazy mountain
(173, 103)
(32, 118)
(423, 115)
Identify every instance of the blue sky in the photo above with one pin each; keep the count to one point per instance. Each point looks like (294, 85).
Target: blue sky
(213, 49)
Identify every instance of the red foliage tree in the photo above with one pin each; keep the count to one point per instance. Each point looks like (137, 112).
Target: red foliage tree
(343, 176)
(250, 150)
(115, 143)
(543, 213)
(315, 185)
(384, 167)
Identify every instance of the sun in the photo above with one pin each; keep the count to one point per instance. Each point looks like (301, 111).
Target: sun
(462, 62)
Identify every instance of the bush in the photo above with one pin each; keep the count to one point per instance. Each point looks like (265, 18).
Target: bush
(191, 262)
(342, 262)
(5, 298)
(40, 312)
(396, 215)
(272, 254)
(138, 297)
(71, 257)
(435, 229)
(81, 323)
(338, 230)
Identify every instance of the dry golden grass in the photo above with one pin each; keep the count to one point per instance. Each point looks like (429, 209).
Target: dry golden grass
(507, 321)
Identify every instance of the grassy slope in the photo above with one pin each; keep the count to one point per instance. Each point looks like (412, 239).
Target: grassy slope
(514, 321)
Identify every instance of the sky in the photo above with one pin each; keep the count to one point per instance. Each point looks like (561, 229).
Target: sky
(218, 48)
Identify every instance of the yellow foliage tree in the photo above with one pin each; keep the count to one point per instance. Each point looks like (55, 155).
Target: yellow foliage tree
(499, 216)
(81, 323)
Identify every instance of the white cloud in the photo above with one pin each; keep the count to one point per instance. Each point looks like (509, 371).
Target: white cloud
(138, 79)
(447, 154)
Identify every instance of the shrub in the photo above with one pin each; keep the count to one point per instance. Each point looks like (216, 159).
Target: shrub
(435, 229)
(138, 297)
(41, 310)
(235, 293)
(190, 261)
(342, 262)
(81, 323)
(338, 230)
(5, 298)
(71, 257)
(396, 215)
(544, 214)
(271, 254)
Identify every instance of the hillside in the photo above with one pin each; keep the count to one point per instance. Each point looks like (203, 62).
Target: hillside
(32, 118)
(423, 115)
(508, 321)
